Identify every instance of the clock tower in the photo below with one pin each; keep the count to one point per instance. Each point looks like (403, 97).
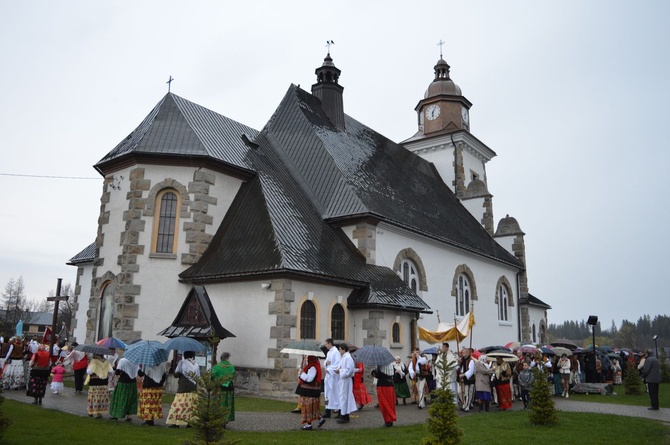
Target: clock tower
(444, 139)
(443, 108)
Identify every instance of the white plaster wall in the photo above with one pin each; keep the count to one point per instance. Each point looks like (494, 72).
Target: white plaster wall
(79, 333)
(443, 160)
(440, 262)
(472, 164)
(476, 208)
(243, 309)
(536, 316)
(506, 242)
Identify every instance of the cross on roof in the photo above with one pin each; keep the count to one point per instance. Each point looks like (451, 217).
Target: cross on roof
(169, 82)
(440, 43)
(328, 44)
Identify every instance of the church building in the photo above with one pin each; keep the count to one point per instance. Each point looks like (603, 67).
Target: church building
(315, 226)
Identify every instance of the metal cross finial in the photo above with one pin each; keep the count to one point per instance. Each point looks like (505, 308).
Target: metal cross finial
(328, 44)
(169, 82)
(440, 43)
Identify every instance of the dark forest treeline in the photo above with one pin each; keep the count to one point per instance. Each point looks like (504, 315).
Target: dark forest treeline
(634, 335)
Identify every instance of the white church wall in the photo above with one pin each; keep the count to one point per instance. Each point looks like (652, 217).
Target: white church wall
(536, 316)
(476, 208)
(440, 263)
(79, 331)
(506, 242)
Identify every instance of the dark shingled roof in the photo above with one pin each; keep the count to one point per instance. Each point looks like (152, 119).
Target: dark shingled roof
(534, 301)
(209, 325)
(179, 128)
(85, 256)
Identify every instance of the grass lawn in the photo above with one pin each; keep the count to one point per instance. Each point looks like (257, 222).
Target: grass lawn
(32, 424)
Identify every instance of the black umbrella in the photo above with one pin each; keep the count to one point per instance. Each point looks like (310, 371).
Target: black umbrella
(373, 355)
(94, 349)
(487, 349)
(565, 343)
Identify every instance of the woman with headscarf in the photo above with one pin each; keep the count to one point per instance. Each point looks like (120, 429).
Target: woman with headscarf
(151, 396)
(483, 374)
(98, 396)
(226, 371)
(400, 381)
(123, 402)
(181, 409)
(13, 376)
(503, 373)
(309, 392)
(40, 368)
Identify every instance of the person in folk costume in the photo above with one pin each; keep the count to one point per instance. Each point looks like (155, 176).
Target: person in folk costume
(466, 375)
(386, 395)
(503, 373)
(13, 375)
(400, 380)
(361, 395)
(184, 401)
(303, 362)
(346, 372)
(224, 369)
(123, 401)
(575, 370)
(79, 362)
(411, 365)
(40, 369)
(98, 396)
(448, 359)
(483, 373)
(112, 359)
(419, 370)
(309, 393)
(332, 385)
(516, 369)
(150, 403)
(57, 374)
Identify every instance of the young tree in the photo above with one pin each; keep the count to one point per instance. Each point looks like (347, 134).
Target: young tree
(542, 408)
(209, 415)
(632, 382)
(442, 418)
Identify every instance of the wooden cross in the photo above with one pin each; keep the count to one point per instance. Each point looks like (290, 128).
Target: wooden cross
(328, 44)
(58, 298)
(169, 82)
(440, 43)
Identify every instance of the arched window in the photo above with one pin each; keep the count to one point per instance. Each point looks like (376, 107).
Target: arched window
(106, 311)
(308, 320)
(408, 273)
(395, 332)
(534, 336)
(502, 303)
(337, 322)
(165, 222)
(463, 296)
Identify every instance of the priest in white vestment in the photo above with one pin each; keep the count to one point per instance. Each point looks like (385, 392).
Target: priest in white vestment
(331, 380)
(346, 372)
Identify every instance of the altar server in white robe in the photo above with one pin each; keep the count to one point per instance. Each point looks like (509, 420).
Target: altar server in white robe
(331, 379)
(346, 372)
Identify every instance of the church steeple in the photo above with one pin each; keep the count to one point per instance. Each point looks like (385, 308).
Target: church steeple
(329, 91)
(443, 108)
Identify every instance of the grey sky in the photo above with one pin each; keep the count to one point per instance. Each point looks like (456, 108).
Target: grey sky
(571, 95)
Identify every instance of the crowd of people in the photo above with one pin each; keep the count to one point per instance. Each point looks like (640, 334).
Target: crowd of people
(116, 386)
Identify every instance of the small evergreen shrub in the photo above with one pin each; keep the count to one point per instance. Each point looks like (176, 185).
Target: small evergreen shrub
(632, 382)
(4, 420)
(442, 417)
(209, 415)
(542, 409)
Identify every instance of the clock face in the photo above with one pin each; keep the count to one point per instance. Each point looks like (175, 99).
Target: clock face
(433, 112)
(464, 115)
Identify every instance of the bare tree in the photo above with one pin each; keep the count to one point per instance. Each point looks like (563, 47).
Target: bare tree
(14, 304)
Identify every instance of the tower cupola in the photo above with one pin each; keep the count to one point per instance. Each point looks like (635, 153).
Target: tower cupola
(329, 91)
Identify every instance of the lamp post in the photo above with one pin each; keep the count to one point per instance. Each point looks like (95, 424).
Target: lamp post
(656, 345)
(593, 321)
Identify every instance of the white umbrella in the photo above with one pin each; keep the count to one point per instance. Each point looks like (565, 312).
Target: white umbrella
(303, 347)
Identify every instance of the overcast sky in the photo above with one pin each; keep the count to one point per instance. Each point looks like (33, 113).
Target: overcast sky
(571, 95)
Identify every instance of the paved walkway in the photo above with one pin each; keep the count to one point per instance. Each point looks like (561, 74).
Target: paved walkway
(369, 417)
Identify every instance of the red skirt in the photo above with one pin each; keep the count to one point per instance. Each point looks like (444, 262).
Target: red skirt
(504, 396)
(386, 397)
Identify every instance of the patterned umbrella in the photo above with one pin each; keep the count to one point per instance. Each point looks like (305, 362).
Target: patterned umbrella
(373, 355)
(111, 342)
(184, 344)
(565, 343)
(147, 353)
(94, 349)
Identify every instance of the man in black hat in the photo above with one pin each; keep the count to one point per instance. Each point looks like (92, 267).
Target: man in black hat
(651, 372)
